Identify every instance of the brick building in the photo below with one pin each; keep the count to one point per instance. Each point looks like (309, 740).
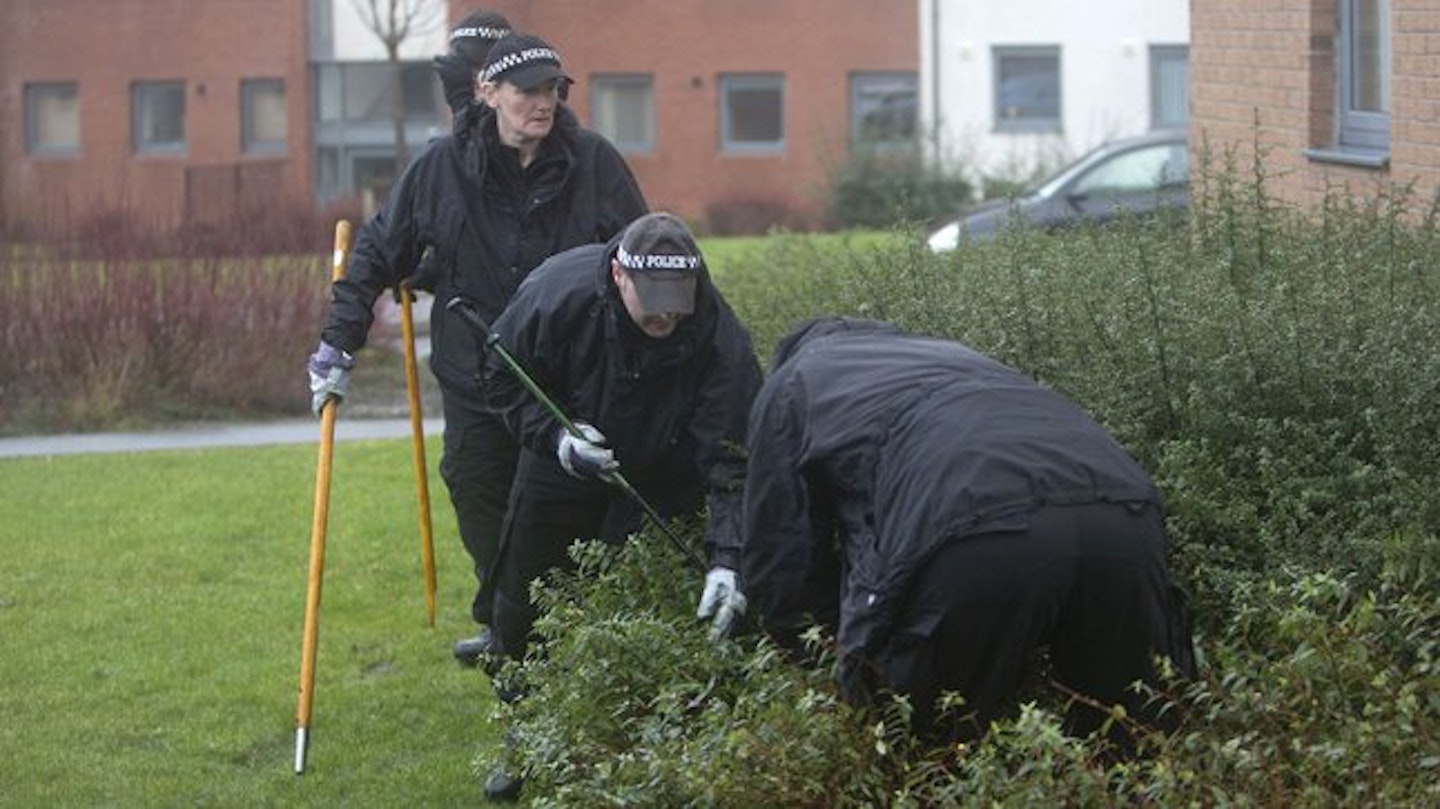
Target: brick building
(183, 111)
(171, 110)
(1339, 93)
(744, 103)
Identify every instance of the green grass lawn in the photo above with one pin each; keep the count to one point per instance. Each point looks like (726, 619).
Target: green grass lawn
(151, 611)
(732, 257)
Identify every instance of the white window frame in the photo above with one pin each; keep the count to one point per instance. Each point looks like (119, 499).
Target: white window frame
(608, 92)
(47, 138)
(253, 92)
(143, 96)
(741, 82)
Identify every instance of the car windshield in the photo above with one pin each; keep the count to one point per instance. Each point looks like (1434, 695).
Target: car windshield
(1147, 167)
(1051, 185)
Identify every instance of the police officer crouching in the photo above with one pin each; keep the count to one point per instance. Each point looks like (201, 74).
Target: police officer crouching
(946, 516)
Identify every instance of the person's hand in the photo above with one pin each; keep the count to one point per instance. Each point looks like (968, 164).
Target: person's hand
(329, 375)
(585, 456)
(722, 601)
(457, 77)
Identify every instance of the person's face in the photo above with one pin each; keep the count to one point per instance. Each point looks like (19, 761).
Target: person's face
(659, 326)
(523, 117)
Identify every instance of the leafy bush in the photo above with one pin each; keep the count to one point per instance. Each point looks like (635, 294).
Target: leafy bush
(877, 189)
(628, 704)
(747, 217)
(1316, 693)
(1276, 370)
(1323, 693)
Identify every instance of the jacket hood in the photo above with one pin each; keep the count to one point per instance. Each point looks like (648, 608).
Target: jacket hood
(816, 328)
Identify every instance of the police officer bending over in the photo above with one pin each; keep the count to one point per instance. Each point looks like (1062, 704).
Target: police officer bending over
(632, 341)
(947, 516)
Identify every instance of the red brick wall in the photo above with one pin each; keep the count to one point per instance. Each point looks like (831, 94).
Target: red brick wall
(1273, 62)
(212, 44)
(687, 44)
(107, 46)
(1415, 93)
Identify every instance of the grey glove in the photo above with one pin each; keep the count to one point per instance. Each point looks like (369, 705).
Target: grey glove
(329, 375)
(585, 456)
(723, 600)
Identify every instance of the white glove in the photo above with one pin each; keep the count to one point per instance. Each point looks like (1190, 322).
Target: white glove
(587, 456)
(723, 600)
(329, 369)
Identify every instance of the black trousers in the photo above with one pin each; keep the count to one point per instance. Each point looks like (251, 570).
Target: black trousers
(478, 465)
(1088, 581)
(549, 510)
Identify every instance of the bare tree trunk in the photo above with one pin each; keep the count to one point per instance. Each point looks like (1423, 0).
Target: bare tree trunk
(397, 112)
(394, 22)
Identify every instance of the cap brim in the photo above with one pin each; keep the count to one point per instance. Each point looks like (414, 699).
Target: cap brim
(665, 293)
(528, 77)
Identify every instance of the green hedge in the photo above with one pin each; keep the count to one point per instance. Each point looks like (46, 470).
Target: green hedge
(876, 189)
(1276, 370)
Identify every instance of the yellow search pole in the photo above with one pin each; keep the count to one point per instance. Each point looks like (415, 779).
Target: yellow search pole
(417, 433)
(317, 540)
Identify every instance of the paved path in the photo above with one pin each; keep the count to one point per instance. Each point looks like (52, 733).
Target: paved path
(293, 431)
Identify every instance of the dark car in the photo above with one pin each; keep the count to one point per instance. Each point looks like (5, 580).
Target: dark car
(1131, 176)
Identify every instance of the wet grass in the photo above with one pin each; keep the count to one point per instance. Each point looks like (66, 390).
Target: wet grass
(152, 607)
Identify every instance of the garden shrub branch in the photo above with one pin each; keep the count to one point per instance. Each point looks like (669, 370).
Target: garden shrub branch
(1276, 369)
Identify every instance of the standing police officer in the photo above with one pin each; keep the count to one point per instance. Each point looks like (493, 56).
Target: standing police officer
(522, 183)
(457, 70)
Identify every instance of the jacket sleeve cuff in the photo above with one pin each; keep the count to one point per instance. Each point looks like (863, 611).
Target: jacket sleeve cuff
(722, 532)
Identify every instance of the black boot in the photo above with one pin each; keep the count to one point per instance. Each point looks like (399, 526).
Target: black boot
(470, 650)
(502, 786)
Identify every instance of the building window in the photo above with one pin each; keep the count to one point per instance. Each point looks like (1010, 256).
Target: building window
(52, 119)
(622, 108)
(1027, 89)
(262, 116)
(883, 109)
(1364, 74)
(1169, 86)
(157, 117)
(752, 113)
(359, 92)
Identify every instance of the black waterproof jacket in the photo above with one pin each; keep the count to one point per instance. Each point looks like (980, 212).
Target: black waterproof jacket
(677, 402)
(878, 447)
(489, 223)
